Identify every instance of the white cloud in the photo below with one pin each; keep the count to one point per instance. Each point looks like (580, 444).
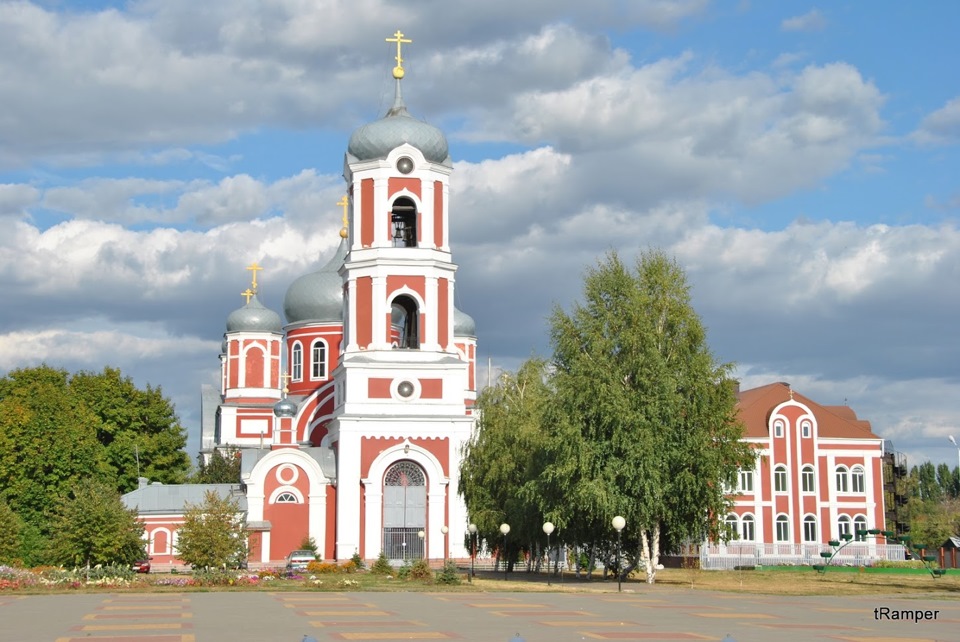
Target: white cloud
(813, 20)
(942, 126)
(16, 199)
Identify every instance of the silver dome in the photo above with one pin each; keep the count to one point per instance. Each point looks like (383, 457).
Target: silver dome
(463, 324)
(379, 138)
(318, 296)
(285, 408)
(253, 317)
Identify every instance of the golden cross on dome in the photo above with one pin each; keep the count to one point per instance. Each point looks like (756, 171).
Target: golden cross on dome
(344, 203)
(286, 379)
(253, 267)
(248, 293)
(398, 38)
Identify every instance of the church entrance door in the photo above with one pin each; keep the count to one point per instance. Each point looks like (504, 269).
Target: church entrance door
(404, 511)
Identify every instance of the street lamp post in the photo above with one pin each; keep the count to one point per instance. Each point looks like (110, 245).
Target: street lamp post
(548, 529)
(618, 523)
(423, 550)
(444, 530)
(473, 548)
(954, 442)
(504, 528)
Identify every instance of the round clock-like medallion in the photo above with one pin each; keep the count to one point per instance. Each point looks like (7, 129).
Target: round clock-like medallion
(405, 389)
(405, 164)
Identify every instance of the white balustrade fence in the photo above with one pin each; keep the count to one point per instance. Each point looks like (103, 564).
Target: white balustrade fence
(733, 554)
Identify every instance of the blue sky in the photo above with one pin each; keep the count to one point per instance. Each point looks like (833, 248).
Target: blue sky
(800, 160)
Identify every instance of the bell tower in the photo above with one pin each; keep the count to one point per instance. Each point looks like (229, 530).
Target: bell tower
(402, 383)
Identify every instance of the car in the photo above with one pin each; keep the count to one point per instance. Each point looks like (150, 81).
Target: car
(297, 560)
(141, 566)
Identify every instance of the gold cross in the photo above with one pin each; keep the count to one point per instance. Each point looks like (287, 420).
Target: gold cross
(248, 293)
(253, 267)
(344, 203)
(286, 379)
(398, 38)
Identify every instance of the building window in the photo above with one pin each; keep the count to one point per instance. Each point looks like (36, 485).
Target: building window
(841, 479)
(286, 498)
(808, 480)
(405, 319)
(860, 526)
(783, 528)
(810, 528)
(732, 524)
(843, 526)
(747, 531)
(296, 362)
(856, 479)
(404, 218)
(318, 360)
(746, 481)
(806, 428)
(778, 429)
(780, 479)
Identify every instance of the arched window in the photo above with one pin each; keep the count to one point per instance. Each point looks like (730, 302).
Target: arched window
(778, 428)
(404, 511)
(808, 480)
(806, 428)
(746, 481)
(810, 528)
(732, 524)
(406, 319)
(780, 479)
(296, 362)
(860, 526)
(783, 528)
(843, 526)
(286, 498)
(318, 360)
(856, 480)
(842, 479)
(747, 529)
(404, 219)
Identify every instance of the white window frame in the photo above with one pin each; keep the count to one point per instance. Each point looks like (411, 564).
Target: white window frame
(314, 361)
(809, 524)
(842, 482)
(745, 482)
(808, 473)
(806, 428)
(296, 361)
(780, 479)
(844, 525)
(732, 522)
(748, 528)
(859, 524)
(783, 528)
(858, 478)
(778, 428)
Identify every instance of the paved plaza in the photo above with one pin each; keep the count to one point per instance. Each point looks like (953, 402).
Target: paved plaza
(645, 613)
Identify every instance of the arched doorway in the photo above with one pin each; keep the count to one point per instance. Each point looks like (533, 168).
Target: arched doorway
(404, 511)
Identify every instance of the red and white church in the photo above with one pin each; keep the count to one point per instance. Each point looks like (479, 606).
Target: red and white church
(350, 418)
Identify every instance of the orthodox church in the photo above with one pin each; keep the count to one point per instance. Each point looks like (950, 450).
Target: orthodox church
(350, 416)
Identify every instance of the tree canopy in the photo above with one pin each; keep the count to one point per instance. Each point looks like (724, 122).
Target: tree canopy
(632, 417)
(213, 533)
(94, 527)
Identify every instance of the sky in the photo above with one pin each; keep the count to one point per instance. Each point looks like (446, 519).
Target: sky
(800, 161)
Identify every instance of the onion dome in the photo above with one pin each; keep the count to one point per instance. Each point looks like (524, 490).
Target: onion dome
(463, 324)
(285, 408)
(318, 296)
(253, 317)
(377, 139)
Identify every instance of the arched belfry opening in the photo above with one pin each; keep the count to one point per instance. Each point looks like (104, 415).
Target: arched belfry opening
(404, 219)
(404, 511)
(405, 318)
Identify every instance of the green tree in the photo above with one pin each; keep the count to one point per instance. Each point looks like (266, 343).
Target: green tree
(223, 468)
(645, 418)
(505, 456)
(11, 528)
(94, 527)
(138, 429)
(47, 442)
(213, 533)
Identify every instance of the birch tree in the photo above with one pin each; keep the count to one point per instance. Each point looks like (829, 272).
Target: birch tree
(644, 418)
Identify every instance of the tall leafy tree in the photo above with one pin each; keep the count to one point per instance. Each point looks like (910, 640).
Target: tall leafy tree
(94, 527)
(645, 417)
(212, 533)
(223, 468)
(505, 455)
(139, 429)
(11, 528)
(48, 440)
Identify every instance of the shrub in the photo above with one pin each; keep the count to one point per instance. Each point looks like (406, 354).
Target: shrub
(449, 574)
(903, 564)
(404, 571)
(421, 570)
(382, 566)
(323, 568)
(358, 561)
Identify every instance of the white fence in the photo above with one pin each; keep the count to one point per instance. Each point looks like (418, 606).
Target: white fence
(734, 554)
